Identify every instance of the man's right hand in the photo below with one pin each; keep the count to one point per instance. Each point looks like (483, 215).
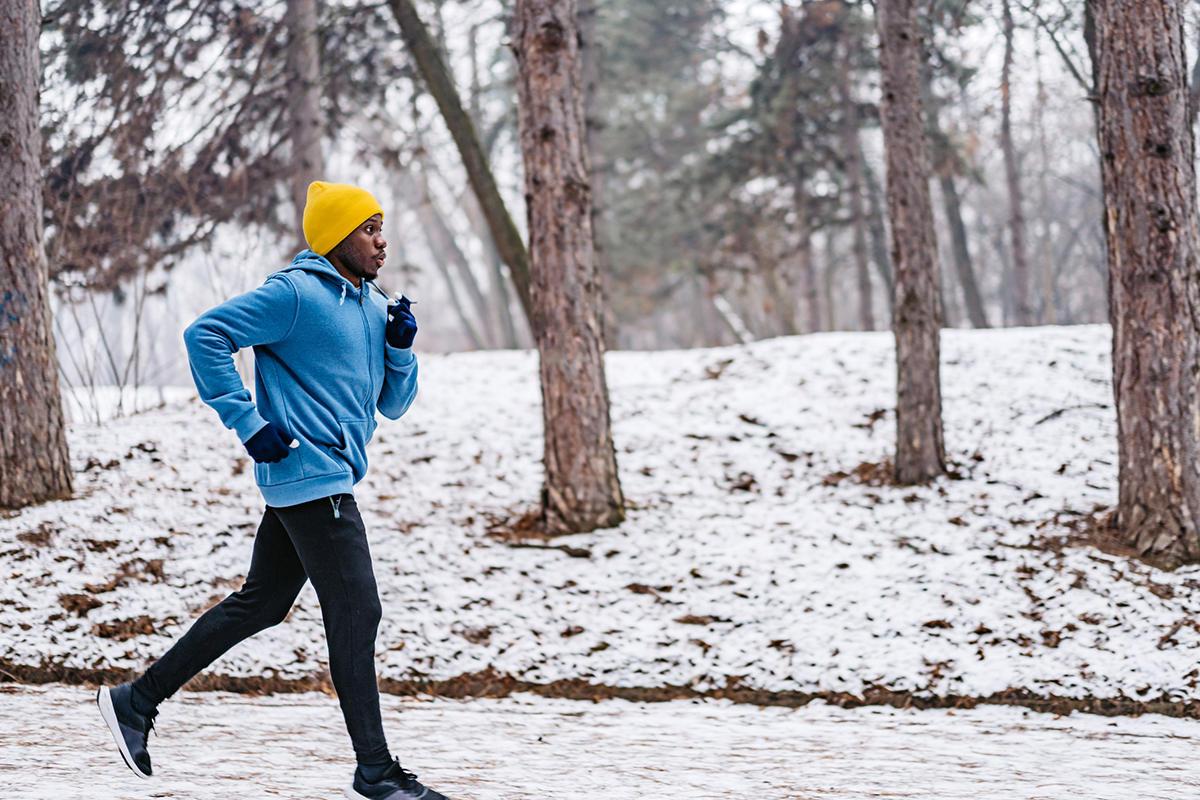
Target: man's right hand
(269, 445)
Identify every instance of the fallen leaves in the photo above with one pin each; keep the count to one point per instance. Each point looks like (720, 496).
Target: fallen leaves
(78, 604)
(124, 629)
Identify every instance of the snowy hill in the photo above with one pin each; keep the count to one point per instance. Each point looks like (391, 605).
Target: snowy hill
(760, 550)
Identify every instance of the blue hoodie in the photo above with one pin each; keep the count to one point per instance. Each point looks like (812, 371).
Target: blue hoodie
(321, 367)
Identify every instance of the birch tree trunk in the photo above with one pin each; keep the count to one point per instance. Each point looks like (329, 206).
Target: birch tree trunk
(34, 463)
(304, 105)
(917, 308)
(1012, 176)
(1147, 168)
(582, 491)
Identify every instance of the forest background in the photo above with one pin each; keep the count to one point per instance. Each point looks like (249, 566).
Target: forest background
(736, 154)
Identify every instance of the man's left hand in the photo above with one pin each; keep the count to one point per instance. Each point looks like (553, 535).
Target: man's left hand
(402, 325)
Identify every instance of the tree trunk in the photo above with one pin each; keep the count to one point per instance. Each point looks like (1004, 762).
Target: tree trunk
(1020, 263)
(34, 463)
(827, 277)
(582, 491)
(499, 281)
(501, 298)
(944, 159)
(415, 193)
(963, 268)
(438, 232)
(1045, 260)
(807, 269)
(879, 243)
(808, 283)
(589, 67)
(917, 308)
(1147, 158)
(858, 217)
(441, 85)
(304, 105)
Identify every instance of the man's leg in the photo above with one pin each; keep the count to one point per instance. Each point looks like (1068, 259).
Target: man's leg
(275, 578)
(271, 586)
(332, 545)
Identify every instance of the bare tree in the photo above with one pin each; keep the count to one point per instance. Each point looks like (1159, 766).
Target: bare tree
(34, 463)
(441, 85)
(946, 161)
(304, 105)
(1147, 164)
(413, 187)
(879, 248)
(858, 217)
(1020, 262)
(917, 309)
(500, 297)
(581, 491)
(589, 69)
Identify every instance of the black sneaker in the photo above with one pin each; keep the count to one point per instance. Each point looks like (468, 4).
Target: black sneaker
(129, 728)
(396, 784)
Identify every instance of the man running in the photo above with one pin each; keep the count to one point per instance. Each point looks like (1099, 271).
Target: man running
(329, 350)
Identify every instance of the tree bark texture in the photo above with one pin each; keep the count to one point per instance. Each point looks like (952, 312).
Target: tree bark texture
(304, 105)
(441, 85)
(1012, 176)
(34, 464)
(917, 307)
(1147, 158)
(582, 491)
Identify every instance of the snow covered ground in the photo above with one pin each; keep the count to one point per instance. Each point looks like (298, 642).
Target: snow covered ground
(216, 746)
(754, 553)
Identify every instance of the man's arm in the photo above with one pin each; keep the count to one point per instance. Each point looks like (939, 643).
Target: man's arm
(262, 316)
(399, 381)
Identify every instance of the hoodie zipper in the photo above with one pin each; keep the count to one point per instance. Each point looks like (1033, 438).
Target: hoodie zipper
(366, 323)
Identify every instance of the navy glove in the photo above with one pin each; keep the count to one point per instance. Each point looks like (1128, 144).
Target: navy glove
(402, 325)
(269, 445)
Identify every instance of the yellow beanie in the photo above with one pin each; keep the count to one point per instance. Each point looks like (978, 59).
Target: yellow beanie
(332, 211)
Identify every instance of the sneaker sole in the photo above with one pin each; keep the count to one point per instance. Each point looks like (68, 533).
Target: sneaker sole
(353, 795)
(104, 700)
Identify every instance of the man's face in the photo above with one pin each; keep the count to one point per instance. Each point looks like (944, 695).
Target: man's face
(361, 254)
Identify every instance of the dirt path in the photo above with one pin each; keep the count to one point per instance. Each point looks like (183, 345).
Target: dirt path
(216, 746)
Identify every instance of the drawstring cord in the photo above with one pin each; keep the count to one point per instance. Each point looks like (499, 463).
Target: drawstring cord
(344, 287)
(336, 502)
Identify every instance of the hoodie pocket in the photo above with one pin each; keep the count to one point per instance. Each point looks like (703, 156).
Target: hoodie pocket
(291, 468)
(352, 451)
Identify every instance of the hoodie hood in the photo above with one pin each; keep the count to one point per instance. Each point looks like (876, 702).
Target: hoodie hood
(308, 261)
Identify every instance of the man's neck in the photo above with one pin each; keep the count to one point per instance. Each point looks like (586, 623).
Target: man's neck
(345, 273)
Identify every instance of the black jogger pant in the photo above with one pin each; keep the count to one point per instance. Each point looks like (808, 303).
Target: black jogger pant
(295, 543)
